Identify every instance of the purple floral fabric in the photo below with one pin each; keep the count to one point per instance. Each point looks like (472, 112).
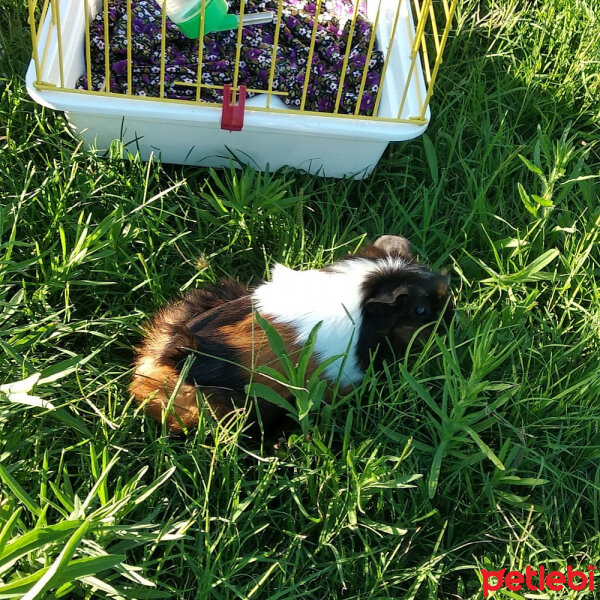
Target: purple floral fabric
(181, 55)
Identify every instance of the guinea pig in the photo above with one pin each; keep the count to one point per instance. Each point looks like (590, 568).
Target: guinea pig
(370, 305)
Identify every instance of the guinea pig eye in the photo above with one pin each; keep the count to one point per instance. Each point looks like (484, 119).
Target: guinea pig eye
(420, 311)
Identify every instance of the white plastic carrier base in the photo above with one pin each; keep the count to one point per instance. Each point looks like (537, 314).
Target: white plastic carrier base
(191, 134)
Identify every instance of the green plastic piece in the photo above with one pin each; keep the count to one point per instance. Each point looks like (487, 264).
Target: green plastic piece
(215, 19)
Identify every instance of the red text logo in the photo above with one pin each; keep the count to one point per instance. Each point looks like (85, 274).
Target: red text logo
(545, 580)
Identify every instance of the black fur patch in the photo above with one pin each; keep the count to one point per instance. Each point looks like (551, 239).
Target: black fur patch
(198, 301)
(392, 307)
(217, 364)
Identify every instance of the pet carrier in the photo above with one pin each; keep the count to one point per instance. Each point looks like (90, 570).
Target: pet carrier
(324, 85)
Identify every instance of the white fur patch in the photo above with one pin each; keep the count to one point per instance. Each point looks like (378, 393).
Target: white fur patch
(304, 298)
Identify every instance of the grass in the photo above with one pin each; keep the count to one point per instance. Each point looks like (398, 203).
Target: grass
(482, 452)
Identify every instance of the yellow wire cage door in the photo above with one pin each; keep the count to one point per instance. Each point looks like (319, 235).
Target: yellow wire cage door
(321, 85)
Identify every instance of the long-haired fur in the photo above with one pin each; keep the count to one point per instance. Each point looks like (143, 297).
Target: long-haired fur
(369, 303)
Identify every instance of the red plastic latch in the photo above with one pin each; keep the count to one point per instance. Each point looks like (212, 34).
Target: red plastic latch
(232, 117)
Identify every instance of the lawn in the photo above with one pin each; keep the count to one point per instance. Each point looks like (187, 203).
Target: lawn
(481, 452)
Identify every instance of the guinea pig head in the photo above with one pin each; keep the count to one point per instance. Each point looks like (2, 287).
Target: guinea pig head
(400, 299)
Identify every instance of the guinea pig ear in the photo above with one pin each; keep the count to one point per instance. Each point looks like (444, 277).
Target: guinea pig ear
(385, 299)
(395, 245)
(443, 281)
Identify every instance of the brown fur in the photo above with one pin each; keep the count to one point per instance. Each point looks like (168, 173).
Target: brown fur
(157, 383)
(386, 245)
(172, 335)
(251, 342)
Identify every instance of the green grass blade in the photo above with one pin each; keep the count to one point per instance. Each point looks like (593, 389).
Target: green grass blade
(35, 540)
(485, 448)
(59, 569)
(19, 492)
(75, 569)
(8, 528)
